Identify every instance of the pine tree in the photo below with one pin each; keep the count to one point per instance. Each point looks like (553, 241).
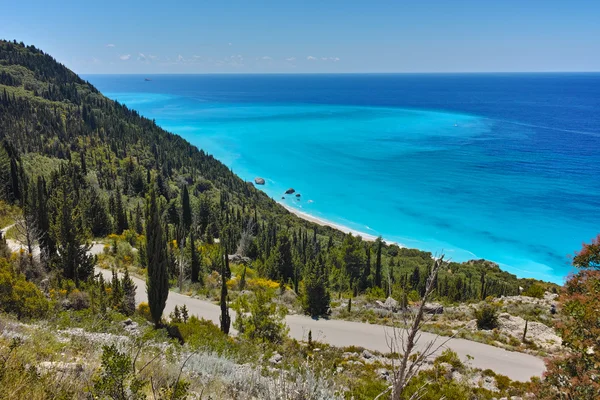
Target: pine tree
(129, 288)
(225, 318)
(195, 260)
(68, 229)
(315, 292)
(157, 284)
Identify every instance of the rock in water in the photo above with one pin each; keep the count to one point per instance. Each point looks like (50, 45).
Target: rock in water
(298, 194)
(290, 191)
(259, 181)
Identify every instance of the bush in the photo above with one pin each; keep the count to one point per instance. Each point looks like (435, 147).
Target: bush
(19, 297)
(260, 318)
(143, 309)
(79, 300)
(535, 290)
(375, 293)
(487, 317)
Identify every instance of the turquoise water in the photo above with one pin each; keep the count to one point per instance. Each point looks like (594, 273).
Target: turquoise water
(448, 176)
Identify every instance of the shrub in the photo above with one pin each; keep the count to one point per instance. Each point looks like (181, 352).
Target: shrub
(450, 357)
(487, 317)
(535, 290)
(19, 297)
(143, 310)
(79, 300)
(375, 293)
(260, 318)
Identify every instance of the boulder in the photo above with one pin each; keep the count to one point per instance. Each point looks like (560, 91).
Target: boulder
(366, 354)
(433, 308)
(298, 195)
(238, 259)
(290, 191)
(259, 181)
(276, 358)
(390, 304)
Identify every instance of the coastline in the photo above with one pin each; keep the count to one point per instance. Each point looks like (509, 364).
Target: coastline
(323, 222)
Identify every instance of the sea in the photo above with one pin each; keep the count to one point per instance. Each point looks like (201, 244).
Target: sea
(504, 167)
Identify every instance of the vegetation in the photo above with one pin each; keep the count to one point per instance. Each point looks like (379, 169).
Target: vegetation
(76, 167)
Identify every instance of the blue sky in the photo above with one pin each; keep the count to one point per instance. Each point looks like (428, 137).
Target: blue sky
(131, 36)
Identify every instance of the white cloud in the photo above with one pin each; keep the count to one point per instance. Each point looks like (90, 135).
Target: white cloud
(110, 45)
(229, 44)
(311, 58)
(266, 58)
(125, 57)
(150, 56)
(141, 57)
(290, 59)
(334, 59)
(324, 58)
(196, 57)
(180, 58)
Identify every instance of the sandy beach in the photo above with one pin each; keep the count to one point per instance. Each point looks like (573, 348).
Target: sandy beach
(323, 222)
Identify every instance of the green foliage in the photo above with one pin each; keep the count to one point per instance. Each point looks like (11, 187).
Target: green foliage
(117, 379)
(18, 296)
(260, 319)
(157, 284)
(487, 317)
(535, 290)
(315, 291)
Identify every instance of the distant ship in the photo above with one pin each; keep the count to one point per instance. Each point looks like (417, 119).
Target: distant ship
(147, 79)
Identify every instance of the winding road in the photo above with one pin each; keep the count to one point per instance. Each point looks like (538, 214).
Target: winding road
(517, 366)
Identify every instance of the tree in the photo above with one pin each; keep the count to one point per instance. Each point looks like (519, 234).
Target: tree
(120, 214)
(404, 341)
(186, 210)
(315, 291)
(589, 255)
(157, 284)
(260, 318)
(68, 229)
(129, 288)
(195, 260)
(576, 374)
(352, 257)
(378, 262)
(225, 318)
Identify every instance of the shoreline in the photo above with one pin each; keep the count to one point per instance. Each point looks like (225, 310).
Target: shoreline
(323, 222)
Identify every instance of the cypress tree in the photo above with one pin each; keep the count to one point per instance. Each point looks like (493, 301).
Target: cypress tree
(225, 318)
(121, 216)
(378, 263)
(186, 210)
(157, 284)
(139, 226)
(195, 260)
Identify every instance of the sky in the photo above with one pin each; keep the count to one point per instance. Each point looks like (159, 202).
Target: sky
(329, 36)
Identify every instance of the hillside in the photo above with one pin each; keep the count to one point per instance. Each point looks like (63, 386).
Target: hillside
(87, 183)
(50, 117)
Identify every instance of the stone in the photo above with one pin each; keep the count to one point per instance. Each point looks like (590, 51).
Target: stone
(366, 354)
(63, 367)
(259, 181)
(290, 191)
(433, 308)
(276, 358)
(298, 195)
(390, 304)
(383, 373)
(238, 259)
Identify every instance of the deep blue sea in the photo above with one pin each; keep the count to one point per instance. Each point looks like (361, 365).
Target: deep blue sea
(498, 166)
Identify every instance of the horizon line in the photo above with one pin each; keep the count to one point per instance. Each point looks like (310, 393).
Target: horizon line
(347, 73)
